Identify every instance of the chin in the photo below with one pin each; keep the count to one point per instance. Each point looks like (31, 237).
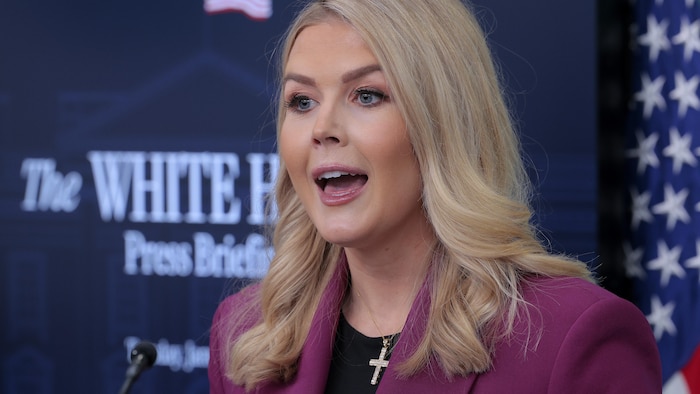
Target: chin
(338, 238)
(340, 241)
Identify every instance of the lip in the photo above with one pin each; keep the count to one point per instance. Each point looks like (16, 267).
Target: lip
(337, 198)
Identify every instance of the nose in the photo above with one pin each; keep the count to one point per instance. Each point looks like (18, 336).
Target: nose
(328, 127)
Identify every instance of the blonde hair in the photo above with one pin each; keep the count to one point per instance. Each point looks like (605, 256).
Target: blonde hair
(475, 191)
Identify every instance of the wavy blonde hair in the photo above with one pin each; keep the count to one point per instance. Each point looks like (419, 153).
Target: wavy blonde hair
(475, 191)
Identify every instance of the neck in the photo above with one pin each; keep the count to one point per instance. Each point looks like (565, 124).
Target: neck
(381, 293)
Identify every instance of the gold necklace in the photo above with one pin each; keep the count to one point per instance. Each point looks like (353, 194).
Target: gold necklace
(379, 362)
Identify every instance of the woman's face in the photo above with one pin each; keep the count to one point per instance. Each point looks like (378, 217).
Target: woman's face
(345, 143)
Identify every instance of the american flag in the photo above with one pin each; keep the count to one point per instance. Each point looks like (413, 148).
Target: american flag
(663, 146)
(254, 9)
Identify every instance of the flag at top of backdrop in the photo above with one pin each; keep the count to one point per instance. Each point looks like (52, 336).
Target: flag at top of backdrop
(663, 153)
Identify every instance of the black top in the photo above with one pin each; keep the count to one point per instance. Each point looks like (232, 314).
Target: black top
(350, 371)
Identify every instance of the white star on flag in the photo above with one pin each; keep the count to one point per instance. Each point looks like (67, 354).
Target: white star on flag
(679, 150)
(684, 92)
(689, 36)
(633, 262)
(655, 38)
(645, 151)
(660, 317)
(640, 208)
(694, 262)
(650, 94)
(667, 262)
(673, 207)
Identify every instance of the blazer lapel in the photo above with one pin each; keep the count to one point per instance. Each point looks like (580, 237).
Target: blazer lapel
(316, 356)
(432, 376)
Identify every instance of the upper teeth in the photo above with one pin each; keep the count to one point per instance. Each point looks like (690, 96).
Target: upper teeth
(333, 174)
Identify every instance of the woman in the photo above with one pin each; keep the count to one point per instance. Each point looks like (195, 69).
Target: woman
(405, 258)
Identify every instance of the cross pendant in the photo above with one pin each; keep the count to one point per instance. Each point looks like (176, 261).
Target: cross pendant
(379, 363)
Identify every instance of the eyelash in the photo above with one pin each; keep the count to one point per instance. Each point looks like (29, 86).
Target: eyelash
(376, 93)
(293, 103)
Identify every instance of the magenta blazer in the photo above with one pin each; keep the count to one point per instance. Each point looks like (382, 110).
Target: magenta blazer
(590, 341)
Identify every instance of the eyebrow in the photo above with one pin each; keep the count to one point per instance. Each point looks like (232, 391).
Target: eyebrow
(345, 78)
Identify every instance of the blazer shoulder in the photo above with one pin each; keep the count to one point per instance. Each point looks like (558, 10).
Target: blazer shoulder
(234, 315)
(243, 304)
(570, 334)
(566, 292)
(559, 308)
(603, 344)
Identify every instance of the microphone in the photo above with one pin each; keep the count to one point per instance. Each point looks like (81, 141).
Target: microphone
(143, 356)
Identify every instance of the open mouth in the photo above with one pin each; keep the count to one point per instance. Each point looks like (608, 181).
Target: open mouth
(340, 182)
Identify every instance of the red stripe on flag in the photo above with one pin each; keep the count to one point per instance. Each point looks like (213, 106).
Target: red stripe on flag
(258, 10)
(691, 372)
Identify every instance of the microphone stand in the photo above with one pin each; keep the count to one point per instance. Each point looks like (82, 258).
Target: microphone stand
(143, 356)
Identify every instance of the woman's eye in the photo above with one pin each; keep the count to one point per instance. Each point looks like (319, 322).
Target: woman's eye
(369, 97)
(300, 103)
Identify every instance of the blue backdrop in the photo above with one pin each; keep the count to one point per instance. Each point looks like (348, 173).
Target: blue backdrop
(136, 142)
